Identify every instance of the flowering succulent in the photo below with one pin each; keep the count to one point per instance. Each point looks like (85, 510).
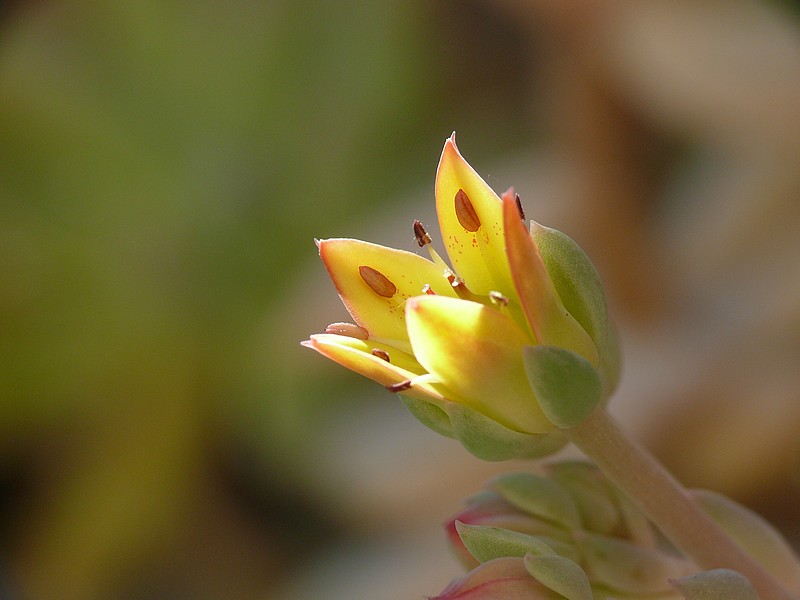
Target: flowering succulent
(501, 348)
(509, 350)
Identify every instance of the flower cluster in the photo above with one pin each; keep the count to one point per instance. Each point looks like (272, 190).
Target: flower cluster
(501, 348)
(568, 533)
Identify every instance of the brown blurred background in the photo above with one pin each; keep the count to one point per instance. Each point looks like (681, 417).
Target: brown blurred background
(164, 168)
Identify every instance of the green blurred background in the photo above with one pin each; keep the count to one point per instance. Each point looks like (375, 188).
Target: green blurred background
(164, 168)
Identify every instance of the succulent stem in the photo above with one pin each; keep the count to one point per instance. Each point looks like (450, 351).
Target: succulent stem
(666, 502)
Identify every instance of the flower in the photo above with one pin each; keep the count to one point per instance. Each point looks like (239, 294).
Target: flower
(501, 349)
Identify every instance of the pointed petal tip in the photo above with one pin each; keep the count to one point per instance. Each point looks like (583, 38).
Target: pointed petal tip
(450, 147)
(511, 215)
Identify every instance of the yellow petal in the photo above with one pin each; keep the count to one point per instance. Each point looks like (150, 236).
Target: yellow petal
(357, 355)
(471, 223)
(551, 323)
(361, 356)
(374, 283)
(476, 351)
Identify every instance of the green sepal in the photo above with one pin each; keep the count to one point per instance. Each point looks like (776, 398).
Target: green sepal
(626, 567)
(718, 584)
(488, 440)
(429, 415)
(539, 496)
(482, 436)
(486, 543)
(755, 535)
(581, 291)
(566, 385)
(560, 574)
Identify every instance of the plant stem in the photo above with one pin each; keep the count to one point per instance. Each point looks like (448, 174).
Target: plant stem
(666, 503)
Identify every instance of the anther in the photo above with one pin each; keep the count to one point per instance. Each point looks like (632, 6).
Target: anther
(460, 288)
(465, 212)
(519, 207)
(349, 330)
(377, 281)
(400, 387)
(455, 282)
(422, 236)
(498, 299)
(382, 354)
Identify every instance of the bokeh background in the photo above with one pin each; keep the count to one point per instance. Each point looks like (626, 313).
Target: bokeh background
(164, 168)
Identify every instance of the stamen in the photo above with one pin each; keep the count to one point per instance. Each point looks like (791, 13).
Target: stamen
(498, 299)
(382, 354)
(349, 330)
(400, 387)
(461, 289)
(465, 212)
(422, 236)
(459, 286)
(426, 289)
(376, 280)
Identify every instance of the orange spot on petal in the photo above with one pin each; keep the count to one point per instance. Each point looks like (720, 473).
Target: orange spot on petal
(377, 281)
(465, 212)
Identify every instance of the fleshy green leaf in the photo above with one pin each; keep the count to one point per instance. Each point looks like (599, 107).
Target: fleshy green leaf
(566, 385)
(637, 527)
(755, 535)
(591, 492)
(626, 567)
(539, 496)
(560, 574)
(719, 584)
(486, 543)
